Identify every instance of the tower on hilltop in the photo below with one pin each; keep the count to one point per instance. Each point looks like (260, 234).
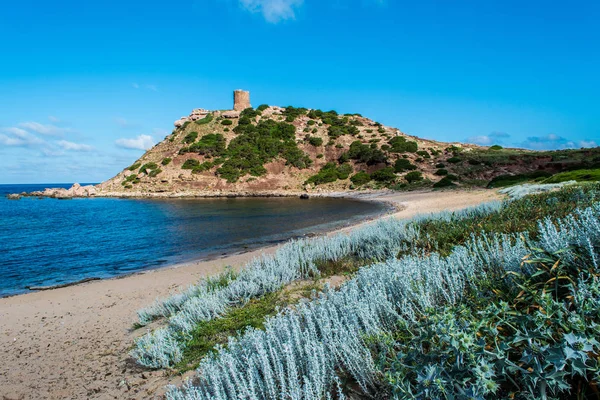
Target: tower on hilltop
(241, 100)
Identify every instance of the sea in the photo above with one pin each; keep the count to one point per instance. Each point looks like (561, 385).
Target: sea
(47, 242)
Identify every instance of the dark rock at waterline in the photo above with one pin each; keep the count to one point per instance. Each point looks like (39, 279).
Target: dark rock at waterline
(304, 196)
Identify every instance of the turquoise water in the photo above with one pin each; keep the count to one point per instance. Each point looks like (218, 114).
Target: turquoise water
(49, 242)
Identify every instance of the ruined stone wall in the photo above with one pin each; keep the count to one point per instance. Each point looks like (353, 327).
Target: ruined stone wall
(241, 100)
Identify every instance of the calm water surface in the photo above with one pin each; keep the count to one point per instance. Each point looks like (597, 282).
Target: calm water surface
(49, 241)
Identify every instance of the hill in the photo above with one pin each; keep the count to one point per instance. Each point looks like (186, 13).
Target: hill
(284, 150)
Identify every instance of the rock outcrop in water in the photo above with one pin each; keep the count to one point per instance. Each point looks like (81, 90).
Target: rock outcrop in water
(61, 193)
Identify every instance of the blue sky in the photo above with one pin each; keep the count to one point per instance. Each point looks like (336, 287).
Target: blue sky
(86, 86)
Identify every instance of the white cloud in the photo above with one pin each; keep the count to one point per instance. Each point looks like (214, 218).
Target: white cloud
(17, 137)
(74, 146)
(53, 119)
(488, 140)
(482, 140)
(50, 130)
(142, 142)
(273, 11)
(553, 141)
(588, 143)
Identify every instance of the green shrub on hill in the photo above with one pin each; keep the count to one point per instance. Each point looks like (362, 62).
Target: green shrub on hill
(509, 180)
(205, 166)
(250, 113)
(258, 144)
(148, 166)
(365, 154)
(344, 171)
(330, 173)
(444, 182)
(386, 175)
(154, 172)
(291, 113)
(262, 107)
(454, 160)
(190, 164)
(134, 166)
(423, 154)
(413, 176)
(166, 161)
(336, 131)
(315, 141)
(227, 122)
(441, 172)
(295, 157)
(496, 147)
(190, 137)
(580, 175)
(131, 179)
(360, 178)
(212, 145)
(244, 121)
(402, 164)
(202, 121)
(399, 144)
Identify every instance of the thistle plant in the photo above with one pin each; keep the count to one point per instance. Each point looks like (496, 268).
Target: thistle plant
(535, 341)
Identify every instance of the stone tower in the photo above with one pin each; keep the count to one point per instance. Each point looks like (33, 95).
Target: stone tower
(241, 100)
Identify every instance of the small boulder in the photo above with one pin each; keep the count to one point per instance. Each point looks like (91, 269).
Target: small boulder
(13, 196)
(231, 114)
(179, 123)
(304, 196)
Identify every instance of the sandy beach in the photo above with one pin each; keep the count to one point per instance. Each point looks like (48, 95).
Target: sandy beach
(73, 342)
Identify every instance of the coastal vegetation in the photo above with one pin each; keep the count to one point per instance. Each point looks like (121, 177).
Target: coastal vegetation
(496, 301)
(292, 148)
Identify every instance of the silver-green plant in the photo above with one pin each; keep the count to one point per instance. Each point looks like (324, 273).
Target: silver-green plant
(295, 260)
(301, 353)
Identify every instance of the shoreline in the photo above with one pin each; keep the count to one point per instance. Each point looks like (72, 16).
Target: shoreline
(75, 340)
(317, 230)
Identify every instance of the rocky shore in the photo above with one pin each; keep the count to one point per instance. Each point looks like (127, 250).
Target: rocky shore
(78, 191)
(59, 193)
